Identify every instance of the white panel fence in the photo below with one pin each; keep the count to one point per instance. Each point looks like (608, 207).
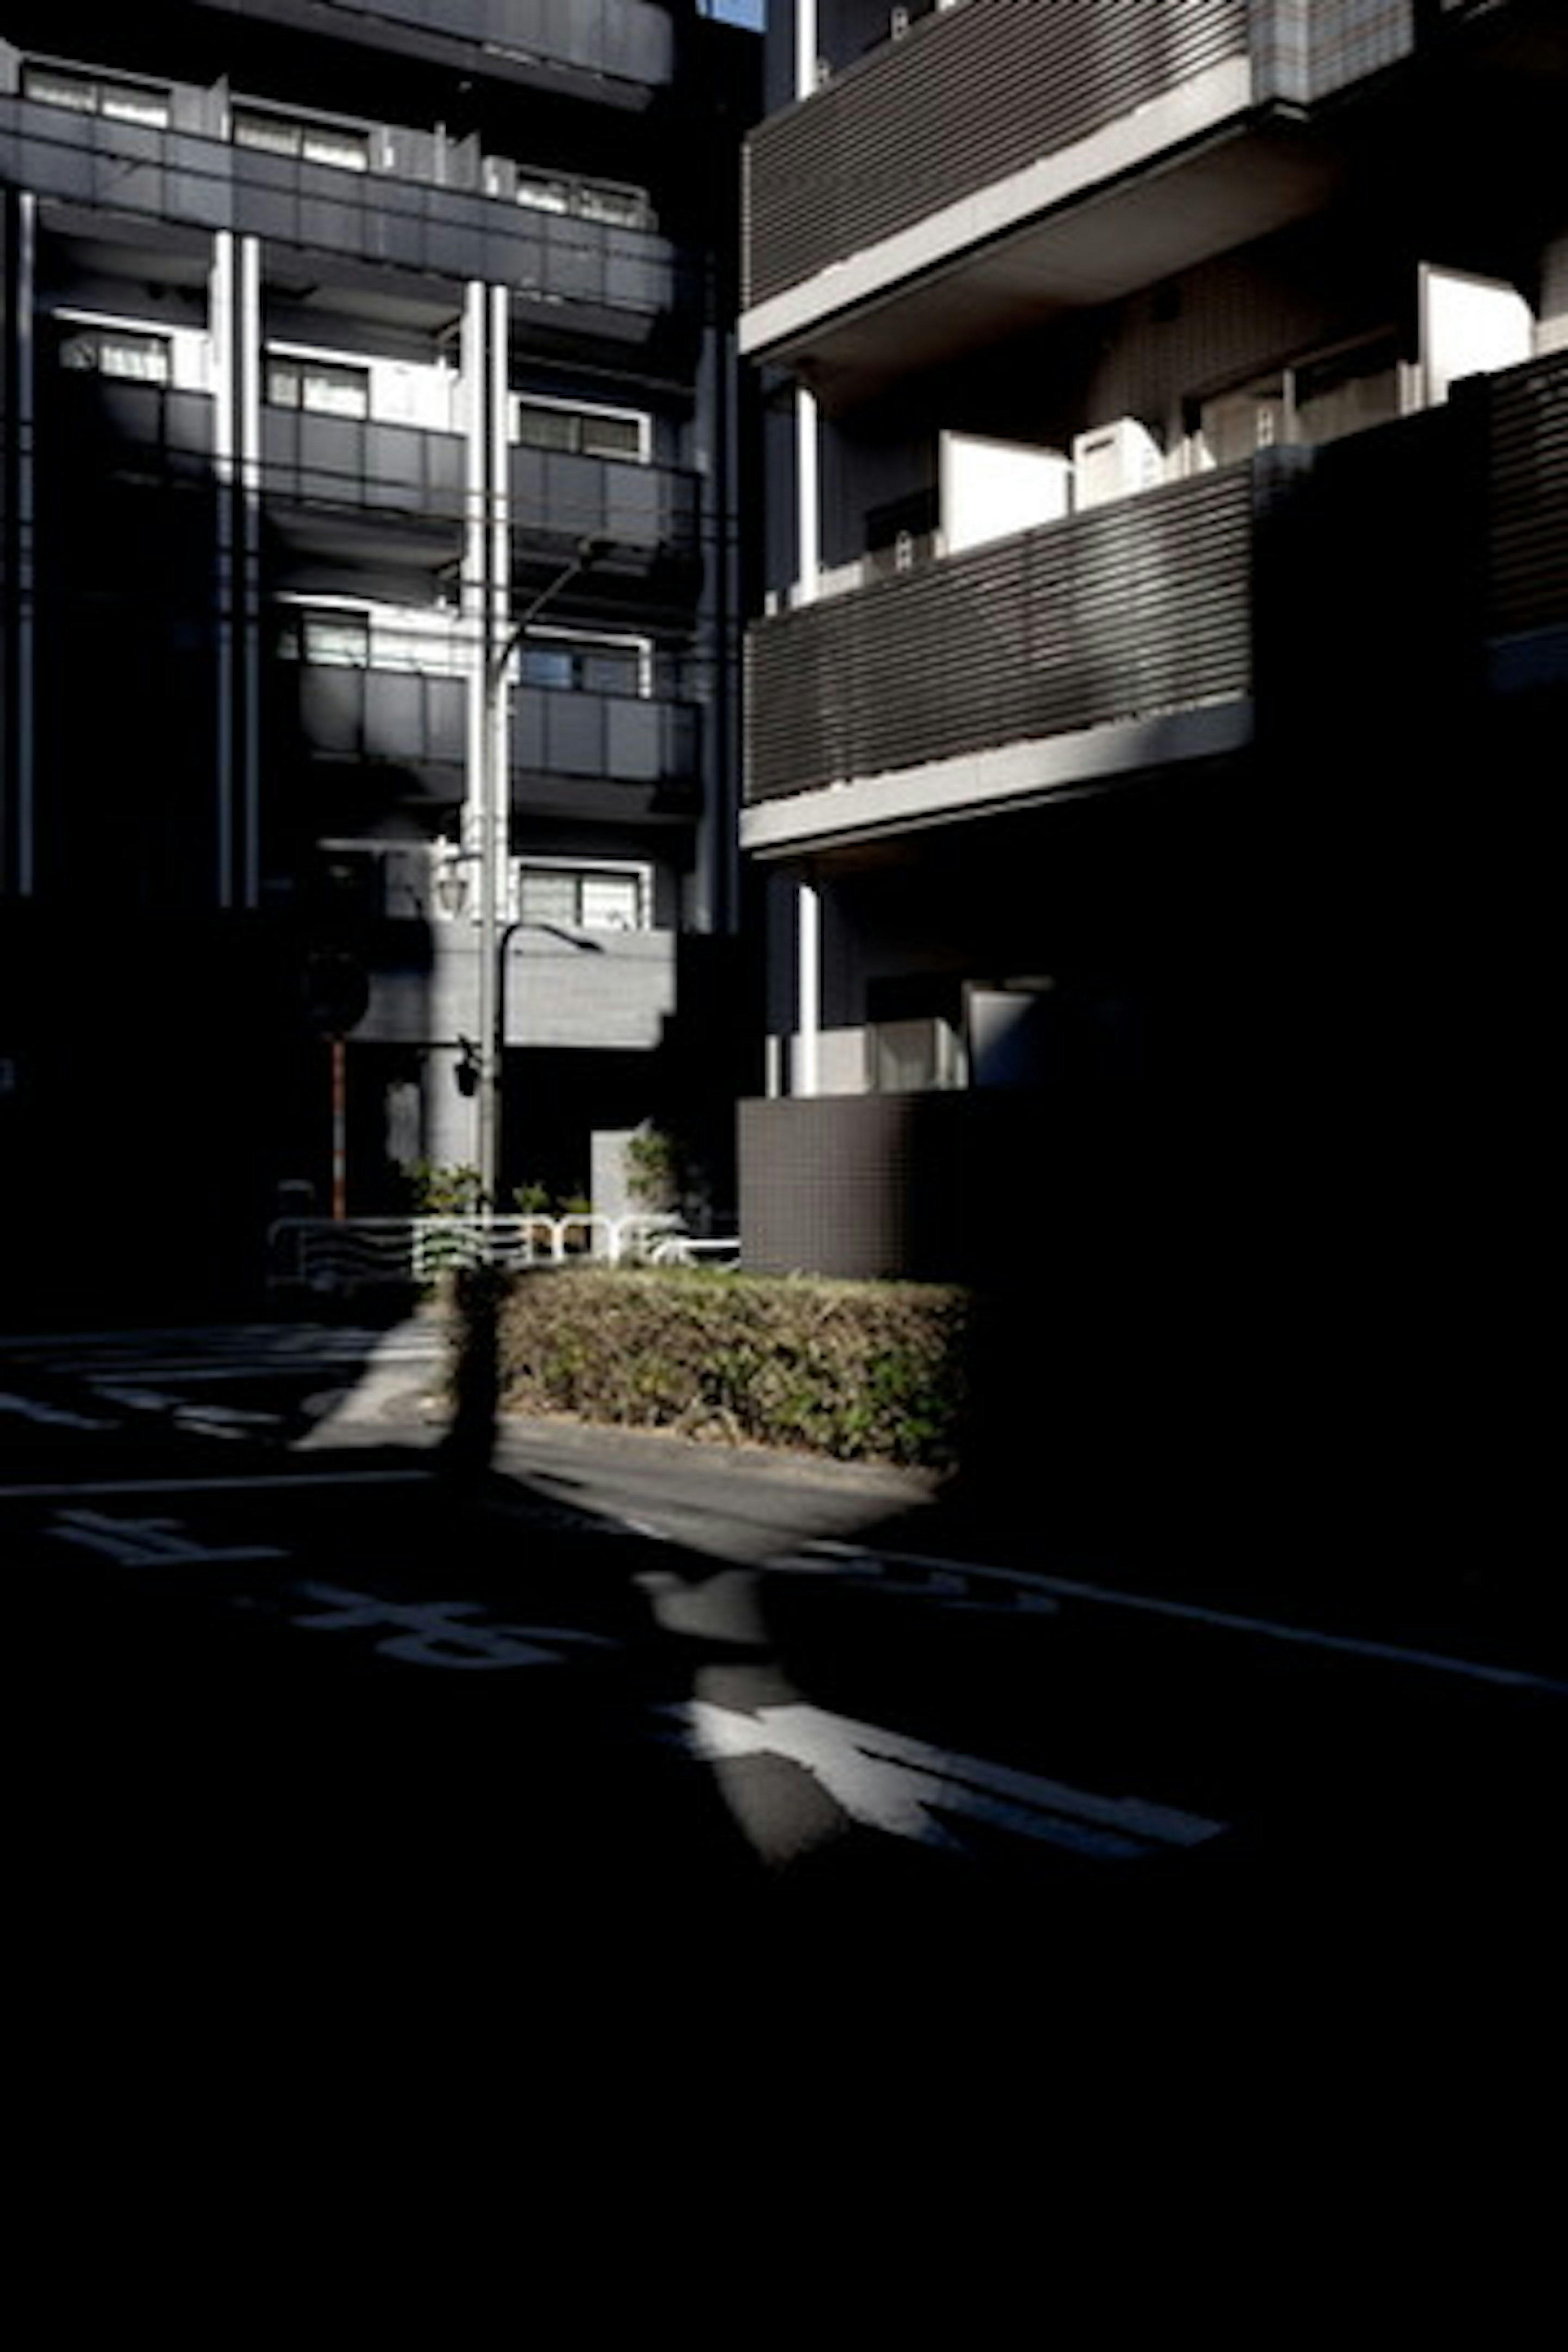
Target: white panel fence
(337, 1254)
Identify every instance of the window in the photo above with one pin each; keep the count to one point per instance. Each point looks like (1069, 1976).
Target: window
(1316, 399)
(585, 664)
(595, 200)
(319, 386)
(116, 101)
(584, 431)
(1345, 391)
(543, 195)
(622, 207)
(127, 353)
(584, 899)
(328, 640)
(339, 144)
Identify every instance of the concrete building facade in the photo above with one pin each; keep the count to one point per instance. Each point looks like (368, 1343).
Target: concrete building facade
(370, 464)
(1151, 723)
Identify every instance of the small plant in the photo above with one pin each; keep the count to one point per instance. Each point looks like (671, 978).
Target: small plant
(532, 1199)
(654, 1169)
(444, 1192)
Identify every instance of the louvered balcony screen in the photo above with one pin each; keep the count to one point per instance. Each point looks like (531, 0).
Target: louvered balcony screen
(1527, 510)
(971, 95)
(1127, 612)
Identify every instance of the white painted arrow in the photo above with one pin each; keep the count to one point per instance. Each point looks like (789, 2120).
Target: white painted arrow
(912, 1791)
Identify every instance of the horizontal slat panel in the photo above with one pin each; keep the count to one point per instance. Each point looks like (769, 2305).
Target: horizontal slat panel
(971, 95)
(1528, 549)
(1122, 613)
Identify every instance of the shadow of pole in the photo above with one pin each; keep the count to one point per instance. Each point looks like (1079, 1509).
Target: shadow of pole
(467, 1450)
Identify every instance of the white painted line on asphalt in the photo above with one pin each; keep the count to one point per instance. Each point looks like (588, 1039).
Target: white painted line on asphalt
(150, 1543)
(51, 1416)
(904, 1786)
(66, 1490)
(1223, 1620)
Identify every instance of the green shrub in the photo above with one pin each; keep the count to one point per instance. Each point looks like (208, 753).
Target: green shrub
(861, 1370)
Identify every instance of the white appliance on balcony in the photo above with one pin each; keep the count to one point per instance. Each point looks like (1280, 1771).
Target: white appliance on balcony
(1115, 461)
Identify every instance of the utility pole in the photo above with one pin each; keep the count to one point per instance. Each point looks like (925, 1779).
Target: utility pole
(494, 840)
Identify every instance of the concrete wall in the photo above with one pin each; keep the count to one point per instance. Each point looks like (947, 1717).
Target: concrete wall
(597, 990)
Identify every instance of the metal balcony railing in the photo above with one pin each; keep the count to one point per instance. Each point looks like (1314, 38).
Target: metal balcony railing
(617, 40)
(415, 207)
(619, 738)
(970, 95)
(640, 512)
(1127, 612)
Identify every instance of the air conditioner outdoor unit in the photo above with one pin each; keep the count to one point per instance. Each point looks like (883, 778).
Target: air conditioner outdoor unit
(1113, 461)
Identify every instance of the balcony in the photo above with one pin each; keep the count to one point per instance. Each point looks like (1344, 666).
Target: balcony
(107, 425)
(645, 513)
(610, 739)
(950, 169)
(417, 722)
(391, 717)
(400, 470)
(417, 206)
(1415, 567)
(617, 49)
(1128, 613)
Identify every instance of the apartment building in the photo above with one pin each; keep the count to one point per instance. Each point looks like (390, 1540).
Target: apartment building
(1152, 722)
(369, 493)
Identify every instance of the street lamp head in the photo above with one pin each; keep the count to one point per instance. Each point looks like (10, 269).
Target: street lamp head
(451, 889)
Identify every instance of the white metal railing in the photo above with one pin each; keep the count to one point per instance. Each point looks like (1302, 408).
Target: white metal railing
(330, 1254)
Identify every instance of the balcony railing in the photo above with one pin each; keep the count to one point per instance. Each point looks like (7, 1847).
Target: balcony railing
(1415, 551)
(410, 210)
(396, 715)
(617, 40)
(1127, 612)
(970, 96)
(340, 461)
(616, 739)
(105, 424)
(641, 511)
(414, 719)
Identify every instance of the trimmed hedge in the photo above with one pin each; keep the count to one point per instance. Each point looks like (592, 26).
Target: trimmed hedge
(862, 1371)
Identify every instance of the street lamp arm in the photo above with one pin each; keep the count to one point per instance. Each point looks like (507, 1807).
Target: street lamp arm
(586, 555)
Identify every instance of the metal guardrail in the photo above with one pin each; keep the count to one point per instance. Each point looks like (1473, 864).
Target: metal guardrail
(326, 1254)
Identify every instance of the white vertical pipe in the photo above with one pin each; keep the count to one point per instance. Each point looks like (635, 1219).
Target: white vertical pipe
(808, 494)
(500, 507)
(26, 765)
(805, 48)
(247, 601)
(475, 598)
(220, 317)
(809, 989)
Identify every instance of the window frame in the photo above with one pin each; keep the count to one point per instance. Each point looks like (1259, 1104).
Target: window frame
(576, 645)
(110, 96)
(581, 415)
(293, 134)
(582, 874)
(89, 334)
(280, 363)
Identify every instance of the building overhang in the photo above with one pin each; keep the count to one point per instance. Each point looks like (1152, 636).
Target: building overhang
(1189, 176)
(983, 784)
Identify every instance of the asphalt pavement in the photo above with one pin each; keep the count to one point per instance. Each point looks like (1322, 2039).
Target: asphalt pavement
(629, 1751)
